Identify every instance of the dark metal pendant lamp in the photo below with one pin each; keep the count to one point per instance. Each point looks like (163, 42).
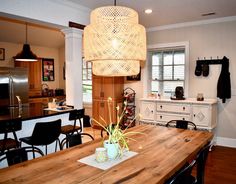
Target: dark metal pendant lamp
(26, 54)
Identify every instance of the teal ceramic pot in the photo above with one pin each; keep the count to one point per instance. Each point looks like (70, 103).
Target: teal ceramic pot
(112, 149)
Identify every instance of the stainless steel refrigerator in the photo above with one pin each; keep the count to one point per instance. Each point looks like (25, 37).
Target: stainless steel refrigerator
(13, 82)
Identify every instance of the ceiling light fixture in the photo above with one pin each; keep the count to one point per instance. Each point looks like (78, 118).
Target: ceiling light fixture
(148, 11)
(26, 54)
(114, 41)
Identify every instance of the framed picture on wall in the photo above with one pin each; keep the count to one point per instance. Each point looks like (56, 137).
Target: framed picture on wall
(135, 77)
(2, 54)
(48, 69)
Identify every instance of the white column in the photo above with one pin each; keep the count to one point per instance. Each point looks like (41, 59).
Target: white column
(73, 56)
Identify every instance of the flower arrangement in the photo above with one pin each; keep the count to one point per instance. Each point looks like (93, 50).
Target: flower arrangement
(114, 130)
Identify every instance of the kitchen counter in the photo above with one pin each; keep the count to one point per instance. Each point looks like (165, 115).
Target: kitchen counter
(28, 112)
(31, 114)
(43, 96)
(46, 99)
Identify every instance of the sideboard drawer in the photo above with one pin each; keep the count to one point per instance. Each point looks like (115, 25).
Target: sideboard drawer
(178, 108)
(169, 117)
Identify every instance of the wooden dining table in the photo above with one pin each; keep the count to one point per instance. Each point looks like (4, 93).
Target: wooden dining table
(161, 151)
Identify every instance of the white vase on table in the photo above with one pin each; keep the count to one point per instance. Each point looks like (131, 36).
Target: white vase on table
(112, 149)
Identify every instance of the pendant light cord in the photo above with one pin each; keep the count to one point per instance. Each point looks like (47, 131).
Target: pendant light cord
(114, 2)
(26, 31)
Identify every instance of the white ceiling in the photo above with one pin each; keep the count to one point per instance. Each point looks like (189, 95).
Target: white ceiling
(170, 11)
(15, 32)
(165, 12)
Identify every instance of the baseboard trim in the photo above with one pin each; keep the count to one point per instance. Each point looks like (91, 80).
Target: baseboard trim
(228, 142)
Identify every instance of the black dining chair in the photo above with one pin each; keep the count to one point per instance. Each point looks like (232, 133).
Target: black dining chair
(19, 155)
(70, 129)
(201, 162)
(6, 127)
(44, 133)
(76, 139)
(86, 121)
(183, 176)
(105, 133)
(183, 124)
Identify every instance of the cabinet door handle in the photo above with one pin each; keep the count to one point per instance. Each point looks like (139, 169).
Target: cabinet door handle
(161, 106)
(183, 118)
(194, 115)
(160, 117)
(183, 108)
(151, 111)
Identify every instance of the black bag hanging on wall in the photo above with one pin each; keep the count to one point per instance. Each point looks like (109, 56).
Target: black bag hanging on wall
(205, 70)
(198, 69)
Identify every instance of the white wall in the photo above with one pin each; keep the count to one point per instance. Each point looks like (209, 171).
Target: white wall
(11, 49)
(210, 40)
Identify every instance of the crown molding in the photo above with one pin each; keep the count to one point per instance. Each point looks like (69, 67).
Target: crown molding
(194, 23)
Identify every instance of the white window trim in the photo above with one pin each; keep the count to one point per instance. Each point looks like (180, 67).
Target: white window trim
(184, 44)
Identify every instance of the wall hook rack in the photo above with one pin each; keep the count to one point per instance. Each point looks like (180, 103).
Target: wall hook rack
(224, 84)
(212, 61)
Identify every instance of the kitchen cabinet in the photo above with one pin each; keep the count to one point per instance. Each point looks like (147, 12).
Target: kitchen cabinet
(34, 76)
(160, 111)
(104, 87)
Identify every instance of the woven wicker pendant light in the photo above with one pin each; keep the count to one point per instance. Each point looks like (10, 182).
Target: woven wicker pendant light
(114, 41)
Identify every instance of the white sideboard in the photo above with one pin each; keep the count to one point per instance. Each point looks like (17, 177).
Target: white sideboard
(160, 111)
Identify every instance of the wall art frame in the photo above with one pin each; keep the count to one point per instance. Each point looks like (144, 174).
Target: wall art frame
(48, 69)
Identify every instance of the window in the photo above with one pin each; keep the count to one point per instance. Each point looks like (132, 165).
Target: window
(167, 70)
(87, 81)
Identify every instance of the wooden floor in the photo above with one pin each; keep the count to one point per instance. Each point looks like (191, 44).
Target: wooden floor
(220, 166)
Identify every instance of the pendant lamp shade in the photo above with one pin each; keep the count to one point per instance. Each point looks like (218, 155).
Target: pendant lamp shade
(26, 54)
(114, 41)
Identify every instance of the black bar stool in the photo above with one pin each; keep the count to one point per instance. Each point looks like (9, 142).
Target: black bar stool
(44, 133)
(77, 139)
(9, 126)
(70, 129)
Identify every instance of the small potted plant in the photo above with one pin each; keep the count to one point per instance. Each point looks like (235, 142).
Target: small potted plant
(118, 139)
